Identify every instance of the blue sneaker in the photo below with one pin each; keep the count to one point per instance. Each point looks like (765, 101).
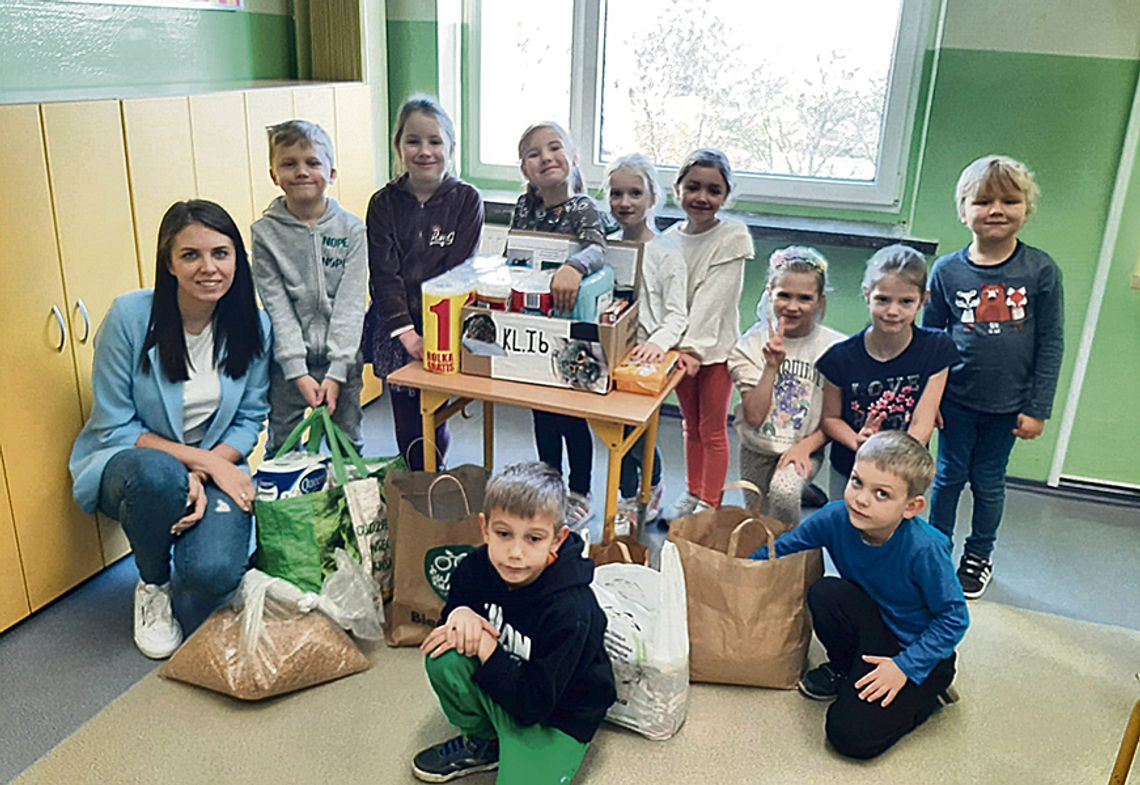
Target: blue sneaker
(456, 758)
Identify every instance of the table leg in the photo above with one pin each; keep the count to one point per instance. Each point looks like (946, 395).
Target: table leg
(648, 459)
(488, 436)
(430, 402)
(612, 435)
(1127, 749)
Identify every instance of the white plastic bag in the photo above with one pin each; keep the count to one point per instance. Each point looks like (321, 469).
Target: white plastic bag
(647, 640)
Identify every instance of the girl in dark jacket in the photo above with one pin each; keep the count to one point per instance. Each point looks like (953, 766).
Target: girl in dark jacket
(420, 225)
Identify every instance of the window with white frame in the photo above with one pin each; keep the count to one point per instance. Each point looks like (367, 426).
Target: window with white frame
(813, 102)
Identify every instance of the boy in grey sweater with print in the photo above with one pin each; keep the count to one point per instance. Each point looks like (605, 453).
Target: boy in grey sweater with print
(310, 265)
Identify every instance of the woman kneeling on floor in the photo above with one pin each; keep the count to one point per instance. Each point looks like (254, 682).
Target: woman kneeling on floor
(180, 384)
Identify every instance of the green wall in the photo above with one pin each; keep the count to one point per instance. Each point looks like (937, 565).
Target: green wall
(1066, 117)
(413, 62)
(1104, 440)
(51, 46)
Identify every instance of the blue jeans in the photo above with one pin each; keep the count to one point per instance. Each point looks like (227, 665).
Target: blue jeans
(631, 466)
(973, 446)
(145, 490)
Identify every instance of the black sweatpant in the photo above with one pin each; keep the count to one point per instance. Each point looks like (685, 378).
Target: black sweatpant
(849, 624)
(550, 430)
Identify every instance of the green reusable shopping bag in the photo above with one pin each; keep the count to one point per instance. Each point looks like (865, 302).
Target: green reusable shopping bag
(297, 537)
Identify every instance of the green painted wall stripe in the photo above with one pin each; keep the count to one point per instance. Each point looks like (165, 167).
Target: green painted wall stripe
(413, 62)
(61, 46)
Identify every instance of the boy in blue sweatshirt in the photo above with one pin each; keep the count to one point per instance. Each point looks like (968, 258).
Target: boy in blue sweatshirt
(891, 621)
(518, 664)
(310, 265)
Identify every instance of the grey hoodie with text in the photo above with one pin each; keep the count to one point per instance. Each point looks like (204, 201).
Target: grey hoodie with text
(313, 281)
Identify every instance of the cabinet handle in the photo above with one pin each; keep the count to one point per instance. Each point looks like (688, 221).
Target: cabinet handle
(58, 314)
(82, 307)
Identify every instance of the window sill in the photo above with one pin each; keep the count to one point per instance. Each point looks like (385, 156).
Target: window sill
(763, 226)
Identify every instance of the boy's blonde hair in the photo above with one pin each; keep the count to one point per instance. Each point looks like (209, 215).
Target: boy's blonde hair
(528, 490)
(898, 260)
(296, 131)
(900, 454)
(996, 174)
(577, 183)
(639, 164)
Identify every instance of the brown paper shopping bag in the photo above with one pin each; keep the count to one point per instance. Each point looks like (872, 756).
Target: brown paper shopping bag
(748, 620)
(623, 549)
(434, 523)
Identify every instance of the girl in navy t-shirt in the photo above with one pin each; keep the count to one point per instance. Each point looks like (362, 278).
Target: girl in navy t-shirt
(891, 375)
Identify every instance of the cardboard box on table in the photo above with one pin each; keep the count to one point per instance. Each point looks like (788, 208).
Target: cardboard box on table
(540, 349)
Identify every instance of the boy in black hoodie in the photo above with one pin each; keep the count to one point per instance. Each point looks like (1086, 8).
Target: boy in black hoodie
(518, 665)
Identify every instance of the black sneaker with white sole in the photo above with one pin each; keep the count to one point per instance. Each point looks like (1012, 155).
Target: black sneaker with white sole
(456, 758)
(822, 683)
(974, 574)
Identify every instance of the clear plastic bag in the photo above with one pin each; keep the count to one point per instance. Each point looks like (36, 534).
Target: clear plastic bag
(270, 642)
(647, 640)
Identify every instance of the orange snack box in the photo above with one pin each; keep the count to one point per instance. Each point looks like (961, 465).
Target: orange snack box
(644, 378)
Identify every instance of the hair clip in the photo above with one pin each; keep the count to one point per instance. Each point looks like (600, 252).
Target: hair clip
(784, 256)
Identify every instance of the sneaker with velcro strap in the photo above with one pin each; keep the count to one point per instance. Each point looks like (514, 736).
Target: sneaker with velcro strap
(974, 574)
(822, 683)
(456, 758)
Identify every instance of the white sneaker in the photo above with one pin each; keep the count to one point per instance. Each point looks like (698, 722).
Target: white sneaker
(157, 633)
(578, 512)
(685, 505)
(628, 512)
(656, 503)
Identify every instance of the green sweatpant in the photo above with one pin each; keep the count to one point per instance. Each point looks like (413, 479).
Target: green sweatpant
(528, 755)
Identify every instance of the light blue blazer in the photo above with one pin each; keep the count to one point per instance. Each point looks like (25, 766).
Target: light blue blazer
(129, 403)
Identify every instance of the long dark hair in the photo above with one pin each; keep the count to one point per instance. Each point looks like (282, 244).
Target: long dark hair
(237, 328)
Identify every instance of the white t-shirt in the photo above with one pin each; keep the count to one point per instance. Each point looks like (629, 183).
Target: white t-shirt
(797, 396)
(202, 392)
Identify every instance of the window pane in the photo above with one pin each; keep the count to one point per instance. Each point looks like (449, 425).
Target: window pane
(783, 88)
(524, 72)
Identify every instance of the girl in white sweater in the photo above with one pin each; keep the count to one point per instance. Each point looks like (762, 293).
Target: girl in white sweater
(631, 186)
(715, 249)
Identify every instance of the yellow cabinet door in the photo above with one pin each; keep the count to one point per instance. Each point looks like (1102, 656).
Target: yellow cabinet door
(356, 163)
(161, 159)
(39, 400)
(13, 593)
(221, 155)
(315, 104)
(264, 108)
(88, 172)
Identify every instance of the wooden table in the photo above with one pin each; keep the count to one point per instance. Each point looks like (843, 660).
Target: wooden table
(444, 396)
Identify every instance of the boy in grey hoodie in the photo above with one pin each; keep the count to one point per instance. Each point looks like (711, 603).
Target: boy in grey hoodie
(310, 265)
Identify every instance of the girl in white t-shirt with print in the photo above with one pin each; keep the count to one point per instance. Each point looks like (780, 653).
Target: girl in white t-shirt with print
(773, 367)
